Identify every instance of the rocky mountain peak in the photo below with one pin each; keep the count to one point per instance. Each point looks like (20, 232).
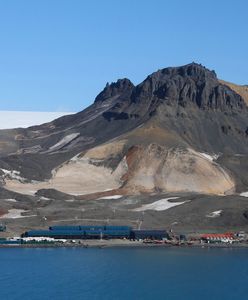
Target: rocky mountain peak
(193, 70)
(115, 89)
(192, 84)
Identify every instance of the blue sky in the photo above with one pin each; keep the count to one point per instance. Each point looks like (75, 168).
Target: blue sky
(57, 55)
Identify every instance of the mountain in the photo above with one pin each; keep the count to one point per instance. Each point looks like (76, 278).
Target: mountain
(181, 130)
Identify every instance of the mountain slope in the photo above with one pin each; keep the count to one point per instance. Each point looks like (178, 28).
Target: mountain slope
(242, 90)
(164, 134)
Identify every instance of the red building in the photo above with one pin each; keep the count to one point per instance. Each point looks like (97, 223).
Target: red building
(218, 237)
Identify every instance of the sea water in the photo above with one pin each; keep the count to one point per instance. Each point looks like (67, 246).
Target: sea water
(123, 273)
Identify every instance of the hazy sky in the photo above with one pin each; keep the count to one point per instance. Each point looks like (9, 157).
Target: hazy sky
(57, 55)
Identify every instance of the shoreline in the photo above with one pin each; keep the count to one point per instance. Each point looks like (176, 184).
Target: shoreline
(123, 244)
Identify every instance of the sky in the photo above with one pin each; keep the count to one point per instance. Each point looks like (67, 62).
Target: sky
(57, 55)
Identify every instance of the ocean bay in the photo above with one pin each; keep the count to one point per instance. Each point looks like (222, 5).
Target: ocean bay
(123, 273)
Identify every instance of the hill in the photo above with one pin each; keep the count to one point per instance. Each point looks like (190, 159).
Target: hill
(181, 130)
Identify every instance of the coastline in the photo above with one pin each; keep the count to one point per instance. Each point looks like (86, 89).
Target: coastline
(124, 244)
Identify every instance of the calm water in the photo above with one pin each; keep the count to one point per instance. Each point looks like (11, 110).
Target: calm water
(123, 273)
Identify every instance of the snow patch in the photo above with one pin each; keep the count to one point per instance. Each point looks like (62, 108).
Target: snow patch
(160, 205)
(244, 194)
(10, 200)
(76, 157)
(13, 174)
(214, 214)
(15, 214)
(43, 239)
(44, 198)
(209, 156)
(110, 197)
(64, 141)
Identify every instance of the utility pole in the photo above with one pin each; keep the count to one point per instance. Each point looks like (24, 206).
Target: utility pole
(44, 218)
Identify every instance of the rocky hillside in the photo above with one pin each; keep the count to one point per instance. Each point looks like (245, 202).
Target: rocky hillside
(242, 90)
(181, 129)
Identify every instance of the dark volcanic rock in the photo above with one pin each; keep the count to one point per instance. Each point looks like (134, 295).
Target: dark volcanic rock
(190, 84)
(54, 194)
(187, 88)
(191, 102)
(115, 89)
